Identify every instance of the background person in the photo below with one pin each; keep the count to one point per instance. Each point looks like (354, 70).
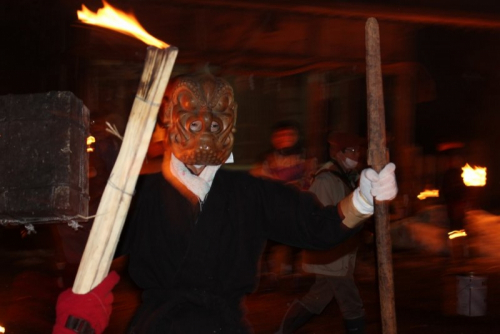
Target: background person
(286, 162)
(333, 268)
(457, 200)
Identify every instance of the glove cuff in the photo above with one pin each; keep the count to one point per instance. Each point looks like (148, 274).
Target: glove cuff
(352, 217)
(60, 329)
(79, 325)
(74, 325)
(361, 203)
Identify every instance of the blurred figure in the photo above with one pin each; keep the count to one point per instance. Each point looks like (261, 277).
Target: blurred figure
(333, 268)
(455, 194)
(286, 162)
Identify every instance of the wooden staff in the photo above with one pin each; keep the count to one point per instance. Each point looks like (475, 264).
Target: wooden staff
(117, 195)
(378, 158)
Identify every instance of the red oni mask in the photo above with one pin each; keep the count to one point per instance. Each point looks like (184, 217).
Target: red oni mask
(200, 114)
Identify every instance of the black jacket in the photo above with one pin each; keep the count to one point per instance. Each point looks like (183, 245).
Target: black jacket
(196, 264)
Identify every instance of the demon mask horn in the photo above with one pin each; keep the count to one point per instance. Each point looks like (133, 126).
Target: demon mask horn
(200, 115)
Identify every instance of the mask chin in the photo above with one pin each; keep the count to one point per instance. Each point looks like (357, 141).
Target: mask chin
(201, 159)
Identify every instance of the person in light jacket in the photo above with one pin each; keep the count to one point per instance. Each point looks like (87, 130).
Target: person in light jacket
(333, 268)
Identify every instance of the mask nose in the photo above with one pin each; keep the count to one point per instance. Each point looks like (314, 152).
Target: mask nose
(204, 123)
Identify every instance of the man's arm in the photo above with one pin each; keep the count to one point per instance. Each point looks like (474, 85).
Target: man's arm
(298, 218)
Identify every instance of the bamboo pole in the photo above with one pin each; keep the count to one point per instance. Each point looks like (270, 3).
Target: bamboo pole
(115, 201)
(378, 158)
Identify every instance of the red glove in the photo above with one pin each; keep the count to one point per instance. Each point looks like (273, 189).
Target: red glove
(93, 307)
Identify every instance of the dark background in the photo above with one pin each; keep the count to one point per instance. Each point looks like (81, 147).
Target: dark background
(457, 42)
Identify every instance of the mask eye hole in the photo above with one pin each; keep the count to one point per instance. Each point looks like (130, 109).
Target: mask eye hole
(215, 127)
(195, 126)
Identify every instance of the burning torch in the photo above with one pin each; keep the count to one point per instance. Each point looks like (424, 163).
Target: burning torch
(115, 201)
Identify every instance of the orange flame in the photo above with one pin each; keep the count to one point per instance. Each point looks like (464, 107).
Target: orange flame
(474, 177)
(112, 18)
(90, 141)
(428, 193)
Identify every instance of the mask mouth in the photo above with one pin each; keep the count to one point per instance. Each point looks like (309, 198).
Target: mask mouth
(203, 149)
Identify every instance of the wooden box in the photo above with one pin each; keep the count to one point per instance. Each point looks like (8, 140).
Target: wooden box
(43, 158)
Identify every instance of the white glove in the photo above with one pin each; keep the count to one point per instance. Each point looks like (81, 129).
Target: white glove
(381, 185)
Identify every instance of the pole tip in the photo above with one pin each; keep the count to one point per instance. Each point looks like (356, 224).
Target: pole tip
(371, 21)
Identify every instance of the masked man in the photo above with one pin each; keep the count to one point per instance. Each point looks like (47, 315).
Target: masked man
(195, 232)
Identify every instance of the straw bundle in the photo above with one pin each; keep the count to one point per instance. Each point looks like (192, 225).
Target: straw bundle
(117, 195)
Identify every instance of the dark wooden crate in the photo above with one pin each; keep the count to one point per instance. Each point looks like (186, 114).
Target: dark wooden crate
(44, 159)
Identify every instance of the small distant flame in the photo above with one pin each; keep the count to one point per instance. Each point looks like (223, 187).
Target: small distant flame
(456, 234)
(2, 329)
(90, 141)
(112, 18)
(474, 177)
(428, 193)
